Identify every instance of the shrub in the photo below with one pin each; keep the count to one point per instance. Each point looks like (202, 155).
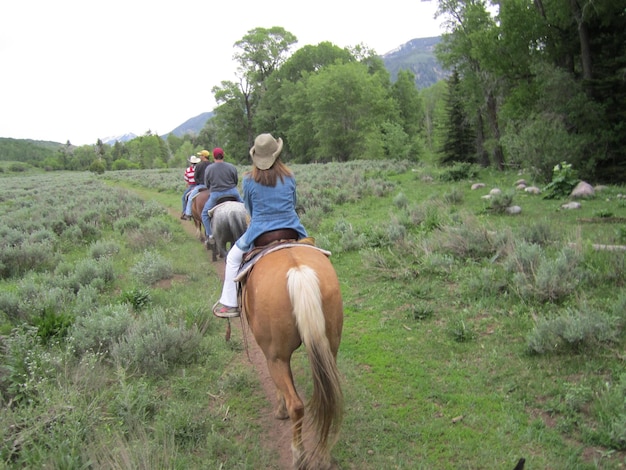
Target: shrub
(103, 248)
(18, 260)
(10, 305)
(400, 201)
(151, 268)
(469, 240)
(151, 346)
(97, 273)
(498, 203)
(538, 277)
(26, 365)
(455, 196)
(572, 331)
(564, 179)
(100, 328)
(138, 298)
(459, 171)
(538, 232)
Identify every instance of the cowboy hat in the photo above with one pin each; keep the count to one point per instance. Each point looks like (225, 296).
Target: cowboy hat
(194, 159)
(265, 151)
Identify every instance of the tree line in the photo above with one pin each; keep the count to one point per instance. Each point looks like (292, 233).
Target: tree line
(532, 83)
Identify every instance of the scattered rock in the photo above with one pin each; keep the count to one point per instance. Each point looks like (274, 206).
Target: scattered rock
(495, 191)
(478, 186)
(532, 190)
(514, 210)
(522, 181)
(521, 186)
(572, 205)
(582, 189)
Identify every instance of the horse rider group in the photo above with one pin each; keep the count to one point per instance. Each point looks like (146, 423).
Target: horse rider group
(269, 196)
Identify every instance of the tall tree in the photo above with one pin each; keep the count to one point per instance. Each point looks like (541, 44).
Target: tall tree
(341, 108)
(258, 54)
(459, 136)
(472, 32)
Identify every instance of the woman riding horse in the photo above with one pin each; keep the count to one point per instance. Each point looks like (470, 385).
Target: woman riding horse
(291, 296)
(269, 195)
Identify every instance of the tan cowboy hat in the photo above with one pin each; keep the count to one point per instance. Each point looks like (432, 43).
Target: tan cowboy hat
(194, 159)
(265, 151)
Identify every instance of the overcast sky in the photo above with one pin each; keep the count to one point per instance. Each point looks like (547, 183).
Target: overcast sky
(80, 70)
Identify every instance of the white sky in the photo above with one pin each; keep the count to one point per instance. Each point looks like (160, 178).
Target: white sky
(80, 70)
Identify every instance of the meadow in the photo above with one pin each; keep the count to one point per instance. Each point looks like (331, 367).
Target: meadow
(471, 337)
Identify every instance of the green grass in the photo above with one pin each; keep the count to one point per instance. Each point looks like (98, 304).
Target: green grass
(439, 316)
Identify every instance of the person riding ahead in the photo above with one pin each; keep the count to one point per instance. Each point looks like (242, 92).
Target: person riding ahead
(189, 180)
(269, 195)
(198, 175)
(221, 178)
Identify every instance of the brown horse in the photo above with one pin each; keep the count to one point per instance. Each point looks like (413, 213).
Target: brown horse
(196, 212)
(292, 296)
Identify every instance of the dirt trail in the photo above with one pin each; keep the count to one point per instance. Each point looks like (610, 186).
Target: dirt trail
(277, 433)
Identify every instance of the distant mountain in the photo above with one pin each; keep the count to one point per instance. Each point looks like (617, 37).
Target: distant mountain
(418, 56)
(191, 126)
(118, 138)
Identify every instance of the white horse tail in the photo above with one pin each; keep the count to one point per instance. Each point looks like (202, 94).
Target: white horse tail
(326, 403)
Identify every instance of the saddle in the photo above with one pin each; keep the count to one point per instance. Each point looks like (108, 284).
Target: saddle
(275, 235)
(220, 201)
(255, 254)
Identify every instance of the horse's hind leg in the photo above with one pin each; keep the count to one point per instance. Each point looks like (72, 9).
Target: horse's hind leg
(288, 398)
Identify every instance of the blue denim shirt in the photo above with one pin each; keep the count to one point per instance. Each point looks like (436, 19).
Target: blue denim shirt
(269, 209)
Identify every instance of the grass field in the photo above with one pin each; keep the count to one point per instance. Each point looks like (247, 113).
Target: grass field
(471, 337)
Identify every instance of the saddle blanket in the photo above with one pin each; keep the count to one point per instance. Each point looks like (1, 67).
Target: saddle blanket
(247, 265)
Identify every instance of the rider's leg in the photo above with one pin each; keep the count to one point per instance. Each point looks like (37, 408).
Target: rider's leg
(229, 290)
(206, 220)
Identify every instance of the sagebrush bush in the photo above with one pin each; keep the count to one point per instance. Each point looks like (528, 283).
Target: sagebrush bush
(468, 240)
(18, 260)
(10, 305)
(98, 329)
(572, 331)
(498, 203)
(26, 365)
(152, 346)
(312, 218)
(544, 279)
(151, 268)
(103, 248)
(90, 272)
(127, 224)
(538, 232)
(400, 201)
(455, 196)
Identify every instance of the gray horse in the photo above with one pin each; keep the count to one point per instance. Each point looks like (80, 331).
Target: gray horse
(229, 220)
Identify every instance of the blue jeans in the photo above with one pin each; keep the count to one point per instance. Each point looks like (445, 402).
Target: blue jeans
(193, 192)
(188, 189)
(211, 203)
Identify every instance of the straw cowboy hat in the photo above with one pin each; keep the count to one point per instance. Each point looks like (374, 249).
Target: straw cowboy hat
(194, 159)
(265, 151)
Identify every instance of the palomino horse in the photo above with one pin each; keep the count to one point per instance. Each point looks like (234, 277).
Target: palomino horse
(228, 222)
(291, 296)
